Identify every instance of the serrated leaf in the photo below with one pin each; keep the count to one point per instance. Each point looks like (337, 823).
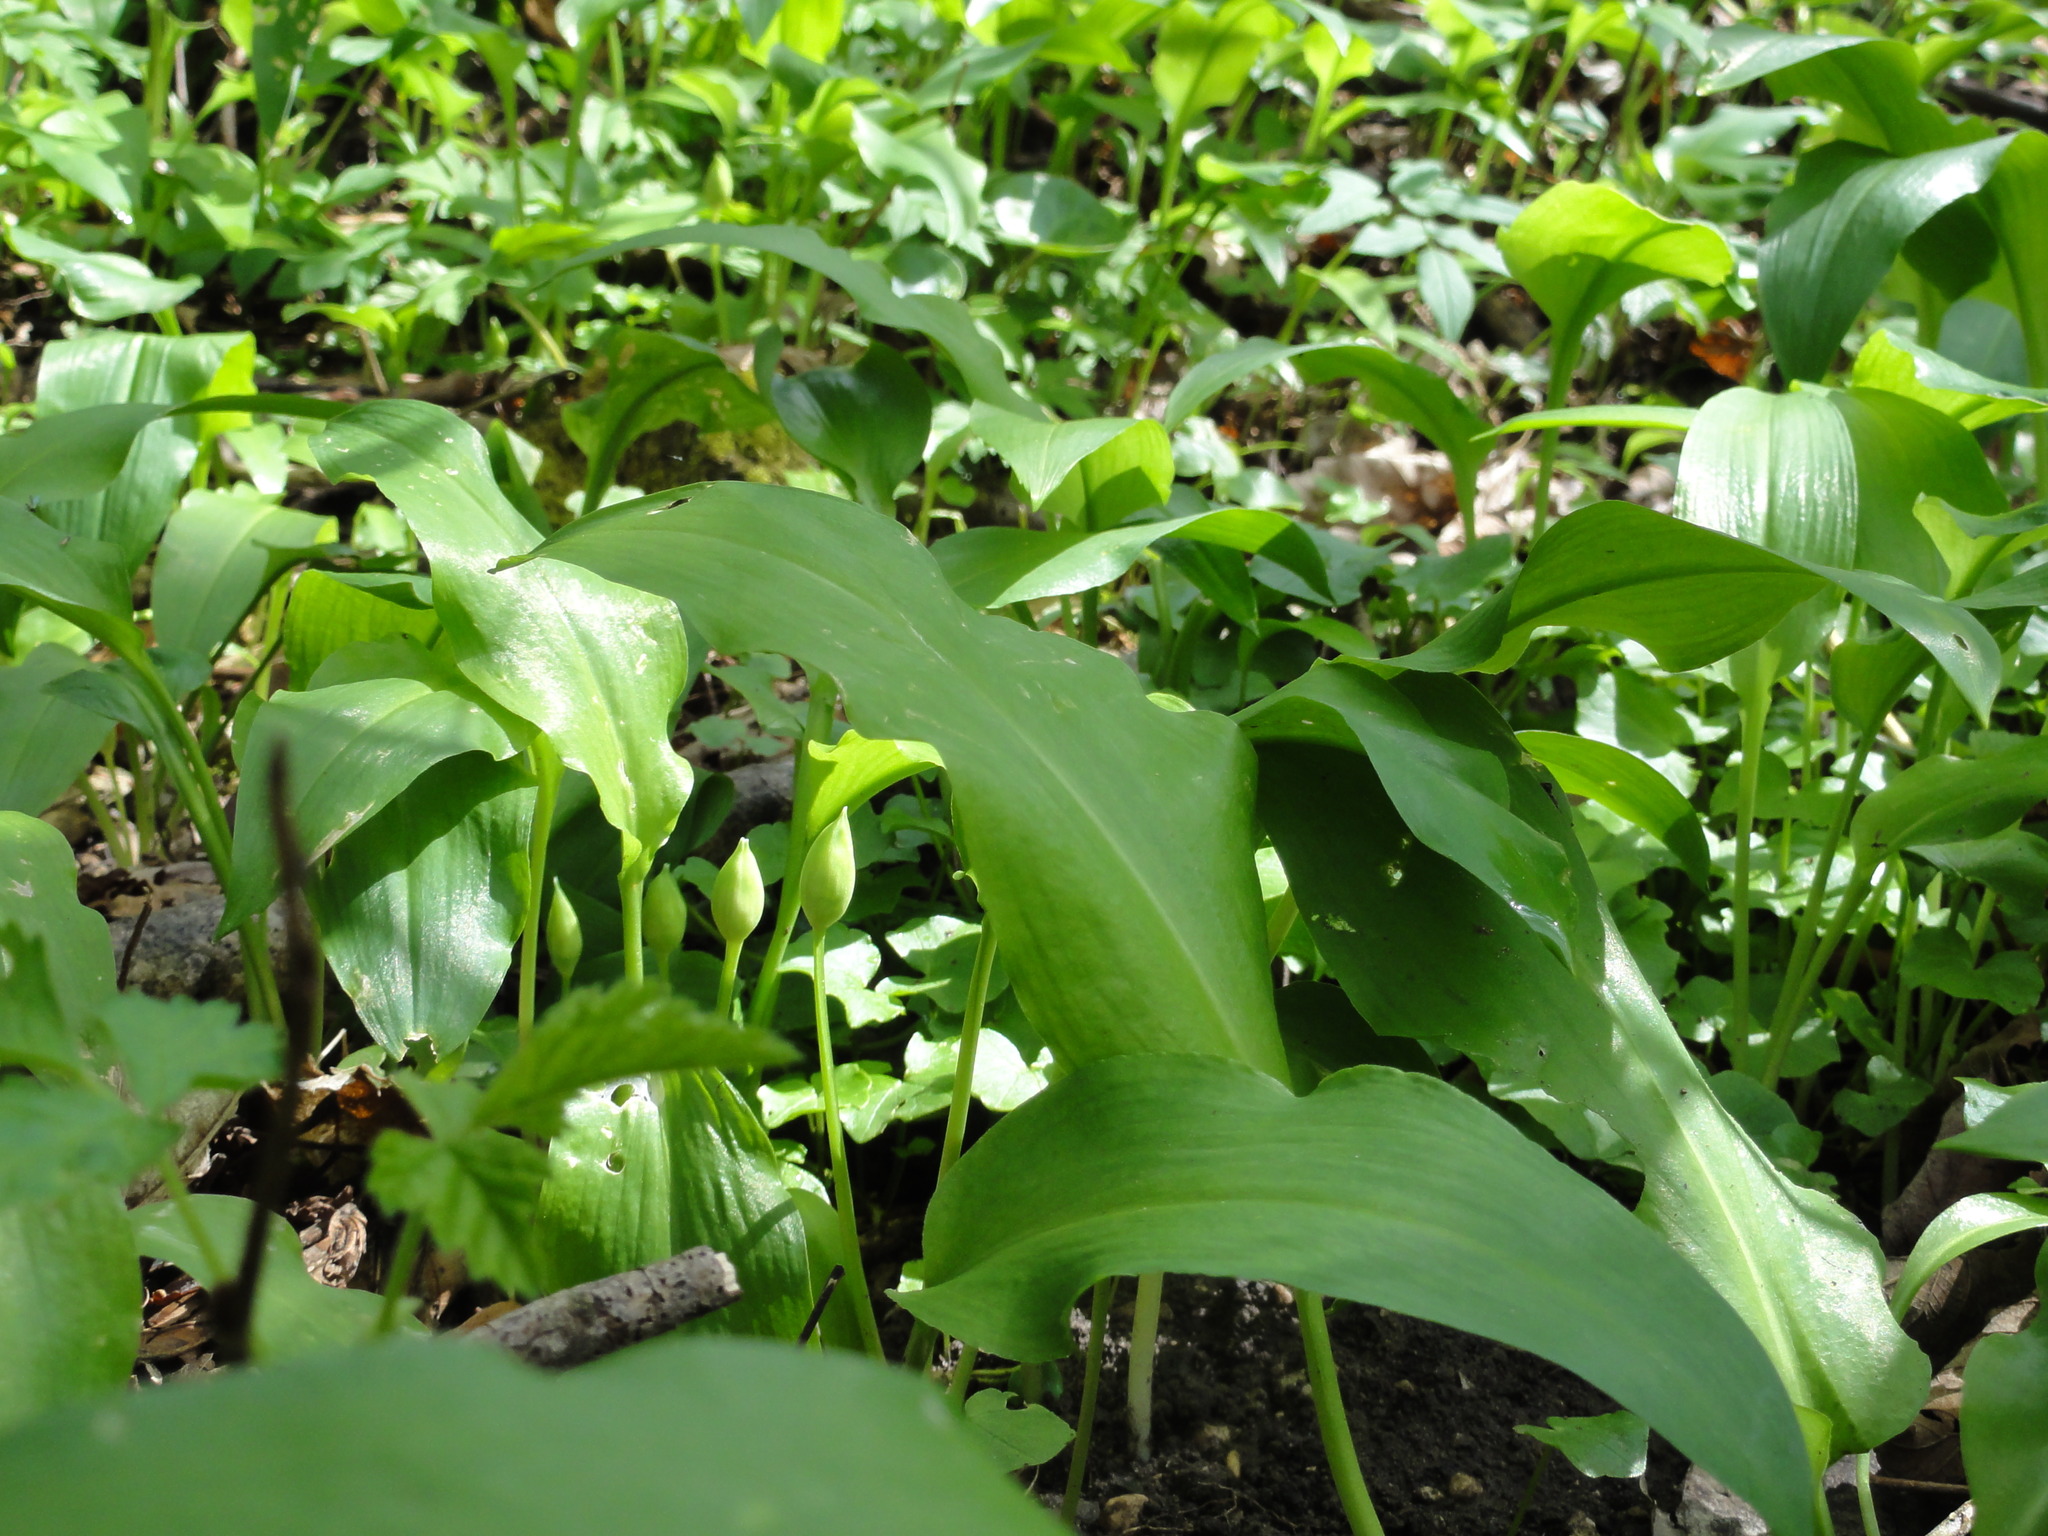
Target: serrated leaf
(167, 1047)
(68, 1319)
(54, 1141)
(477, 1192)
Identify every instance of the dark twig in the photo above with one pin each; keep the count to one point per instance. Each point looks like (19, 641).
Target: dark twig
(134, 938)
(824, 1300)
(234, 1303)
(587, 1321)
(1982, 103)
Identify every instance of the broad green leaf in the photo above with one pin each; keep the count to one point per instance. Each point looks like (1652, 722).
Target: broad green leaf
(2017, 1129)
(56, 1140)
(1110, 839)
(1607, 1445)
(1950, 800)
(45, 741)
(1941, 958)
(1043, 453)
(1202, 58)
(651, 380)
(2015, 203)
(593, 1037)
(1053, 214)
(419, 907)
(477, 1191)
(282, 45)
(34, 1032)
(1579, 247)
(1025, 1436)
(68, 1317)
(1678, 418)
(1875, 80)
(474, 1444)
(295, 1314)
(349, 751)
(75, 576)
(103, 285)
(994, 567)
(2004, 1416)
(167, 1047)
(219, 551)
(1129, 474)
(39, 900)
(869, 422)
(1425, 1202)
(1818, 267)
(97, 368)
(925, 152)
(1425, 950)
(660, 1163)
(1970, 1223)
(1967, 398)
(72, 453)
(855, 771)
(328, 610)
(597, 667)
(1866, 678)
(1627, 786)
(945, 321)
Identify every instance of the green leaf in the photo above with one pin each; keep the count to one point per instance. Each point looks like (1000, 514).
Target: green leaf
(281, 47)
(1110, 839)
(419, 907)
(1817, 269)
(39, 901)
(1043, 453)
(1055, 215)
(220, 551)
(74, 576)
(1677, 418)
(661, 1163)
(167, 1047)
(594, 1036)
(1425, 1202)
(477, 1191)
(1940, 958)
(1130, 473)
(103, 285)
(54, 1141)
(1425, 950)
(1627, 786)
(45, 741)
(1876, 80)
(869, 422)
(99, 367)
(68, 1320)
(474, 1444)
(295, 1314)
(2015, 204)
(71, 454)
(1950, 800)
(925, 152)
(1966, 397)
(855, 771)
(1579, 247)
(946, 321)
(651, 381)
(1026, 1436)
(329, 610)
(350, 750)
(598, 667)
(34, 1032)
(1202, 58)
(2005, 1452)
(1970, 1223)
(2016, 1130)
(1606, 1445)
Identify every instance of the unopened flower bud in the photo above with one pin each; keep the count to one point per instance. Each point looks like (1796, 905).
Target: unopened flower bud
(565, 935)
(826, 889)
(664, 919)
(737, 899)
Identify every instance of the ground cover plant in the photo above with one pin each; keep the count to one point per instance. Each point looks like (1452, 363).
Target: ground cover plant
(979, 655)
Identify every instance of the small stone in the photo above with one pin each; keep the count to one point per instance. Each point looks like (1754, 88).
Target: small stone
(1429, 1495)
(1581, 1524)
(1212, 1437)
(1465, 1487)
(1123, 1512)
(1407, 1388)
(1235, 1462)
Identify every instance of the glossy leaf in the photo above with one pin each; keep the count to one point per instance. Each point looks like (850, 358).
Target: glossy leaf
(2004, 1416)
(350, 750)
(855, 771)
(1968, 398)
(45, 741)
(1951, 800)
(39, 900)
(1817, 269)
(103, 285)
(1201, 58)
(869, 422)
(1605, 1445)
(1109, 838)
(880, 1455)
(1627, 786)
(597, 667)
(1178, 1163)
(219, 551)
(1970, 1223)
(71, 454)
(328, 610)
(1425, 950)
(1876, 81)
(1053, 214)
(1042, 453)
(68, 1318)
(2015, 204)
(1027, 1435)
(1131, 473)
(418, 908)
(2017, 1129)
(79, 578)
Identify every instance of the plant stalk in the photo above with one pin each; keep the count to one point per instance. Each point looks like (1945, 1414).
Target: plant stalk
(1338, 1445)
(1144, 1354)
(1091, 1385)
(970, 1039)
(547, 777)
(1760, 663)
(818, 728)
(835, 1140)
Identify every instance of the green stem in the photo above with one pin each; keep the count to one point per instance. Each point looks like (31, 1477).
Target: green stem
(1759, 672)
(728, 978)
(818, 728)
(1144, 1354)
(402, 1261)
(1793, 993)
(835, 1140)
(547, 777)
(963, 1377)
(1865, 1503)
(181, 1197)
(970, 1038)
(1564, 357)
(1338, 1445)
(1091, 1385)
(632, 901)
(1799, 985)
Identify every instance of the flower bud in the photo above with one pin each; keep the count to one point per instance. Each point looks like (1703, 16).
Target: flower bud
(664, 919)
(737, 898)
(826, 889)
(717, 188)
(565, 935)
